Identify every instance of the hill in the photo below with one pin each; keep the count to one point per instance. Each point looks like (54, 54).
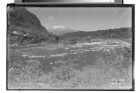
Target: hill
(25, 28)
(118, 33)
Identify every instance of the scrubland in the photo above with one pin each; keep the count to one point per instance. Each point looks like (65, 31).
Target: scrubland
(102, 64)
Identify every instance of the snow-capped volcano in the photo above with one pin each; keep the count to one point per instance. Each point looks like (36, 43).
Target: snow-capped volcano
(58, 27)
(60, 30)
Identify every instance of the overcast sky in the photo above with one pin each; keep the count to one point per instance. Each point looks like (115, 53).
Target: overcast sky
(84, 19)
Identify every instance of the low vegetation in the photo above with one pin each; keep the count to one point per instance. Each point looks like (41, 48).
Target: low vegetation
(108, 68)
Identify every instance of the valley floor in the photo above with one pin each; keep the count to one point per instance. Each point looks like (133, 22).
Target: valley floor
(102, 64)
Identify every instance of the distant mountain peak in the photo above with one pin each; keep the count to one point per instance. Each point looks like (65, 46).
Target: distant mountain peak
(60, 30)
(58, 27)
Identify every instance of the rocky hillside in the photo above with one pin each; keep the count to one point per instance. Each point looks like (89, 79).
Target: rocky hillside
(25, 28)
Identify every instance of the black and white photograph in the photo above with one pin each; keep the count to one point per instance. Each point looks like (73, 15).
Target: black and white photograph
(70, 48)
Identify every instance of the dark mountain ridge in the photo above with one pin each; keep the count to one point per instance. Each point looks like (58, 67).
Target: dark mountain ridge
(118, 33)
(110, 33)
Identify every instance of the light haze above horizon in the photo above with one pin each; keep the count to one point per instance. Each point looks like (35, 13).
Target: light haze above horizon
(84, 19)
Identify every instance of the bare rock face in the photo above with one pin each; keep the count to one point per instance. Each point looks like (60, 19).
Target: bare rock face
(24, 27)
